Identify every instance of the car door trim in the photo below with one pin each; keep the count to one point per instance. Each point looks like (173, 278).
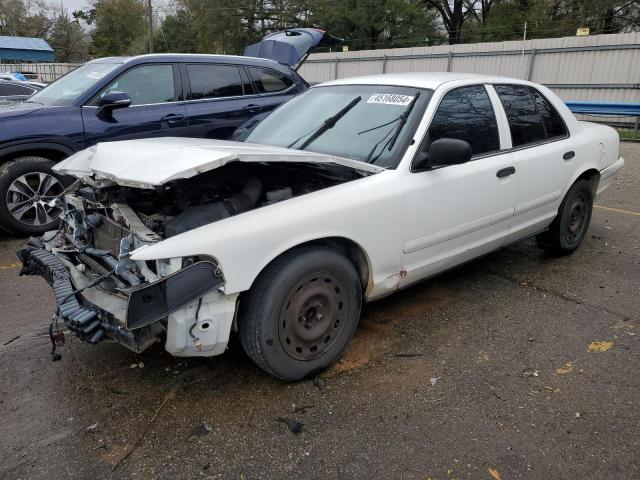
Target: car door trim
(537, 202)
(418, 244)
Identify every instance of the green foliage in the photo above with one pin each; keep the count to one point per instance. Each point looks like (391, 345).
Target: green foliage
(120, 28)
(370, 24)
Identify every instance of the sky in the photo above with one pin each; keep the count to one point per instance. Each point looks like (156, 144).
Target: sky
(71, 5)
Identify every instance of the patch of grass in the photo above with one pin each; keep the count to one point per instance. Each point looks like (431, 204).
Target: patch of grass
(628, 134)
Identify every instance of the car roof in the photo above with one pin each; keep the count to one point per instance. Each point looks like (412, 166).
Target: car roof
(429, 80)
(194, 57)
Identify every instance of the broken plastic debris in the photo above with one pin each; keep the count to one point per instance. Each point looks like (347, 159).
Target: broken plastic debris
(434, 380)
(527, 372)
(294, 425)
(92, 427)
(133, 365)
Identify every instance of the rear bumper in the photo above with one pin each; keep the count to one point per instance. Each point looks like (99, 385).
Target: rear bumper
(607, 174)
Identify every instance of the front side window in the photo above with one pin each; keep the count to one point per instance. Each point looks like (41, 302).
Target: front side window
(370, 123)
(525, 122)
(214, 81)
(466, 114)
(146, 84)
(269, 81)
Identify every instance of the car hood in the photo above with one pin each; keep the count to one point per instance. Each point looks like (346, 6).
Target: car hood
(9, 108)
(148, 163)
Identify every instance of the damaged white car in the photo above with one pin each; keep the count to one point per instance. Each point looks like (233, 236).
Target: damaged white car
(346, 193)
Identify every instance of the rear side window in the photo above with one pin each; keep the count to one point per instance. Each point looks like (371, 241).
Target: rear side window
(525, 122)
(466, 113)
(214, 81)
(269, 81)
(553, 124)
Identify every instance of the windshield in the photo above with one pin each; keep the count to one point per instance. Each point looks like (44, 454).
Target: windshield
(369, 123)
(67, 89)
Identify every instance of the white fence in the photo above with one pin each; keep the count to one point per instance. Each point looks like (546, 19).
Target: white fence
(41, 72)
(603, 68)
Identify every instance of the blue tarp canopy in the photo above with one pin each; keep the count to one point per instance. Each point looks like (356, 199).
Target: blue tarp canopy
(25, 48)
(289, 46)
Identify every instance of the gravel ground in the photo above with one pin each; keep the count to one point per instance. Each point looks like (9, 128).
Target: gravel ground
(518, 365)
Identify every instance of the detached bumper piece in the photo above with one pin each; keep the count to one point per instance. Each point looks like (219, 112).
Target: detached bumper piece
(81, 320)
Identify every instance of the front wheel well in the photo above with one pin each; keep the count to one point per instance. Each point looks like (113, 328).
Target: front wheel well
(346, 247)
(48, 153)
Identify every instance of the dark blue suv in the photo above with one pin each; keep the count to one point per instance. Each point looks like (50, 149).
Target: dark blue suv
(180, 95)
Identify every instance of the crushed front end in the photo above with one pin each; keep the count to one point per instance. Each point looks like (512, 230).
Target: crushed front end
(101, 294)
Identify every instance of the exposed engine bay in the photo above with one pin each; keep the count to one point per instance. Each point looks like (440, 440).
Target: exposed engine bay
(103, 294)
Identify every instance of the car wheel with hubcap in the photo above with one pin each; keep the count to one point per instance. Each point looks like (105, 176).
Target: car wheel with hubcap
(27, 186)
(569, 228)
(301, 312)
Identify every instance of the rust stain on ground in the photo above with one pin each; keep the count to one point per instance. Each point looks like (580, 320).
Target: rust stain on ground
(376, 329)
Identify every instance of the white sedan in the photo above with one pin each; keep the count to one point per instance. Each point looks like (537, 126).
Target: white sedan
(347, 193)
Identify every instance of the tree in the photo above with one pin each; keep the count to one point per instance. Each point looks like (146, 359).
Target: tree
(370, 24)
(26, 18)
(176, 34)
(120, 27)
(453, 14)
(67, 38)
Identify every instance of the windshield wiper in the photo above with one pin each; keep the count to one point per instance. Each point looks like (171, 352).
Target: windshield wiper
(328, 124)
(403, 120)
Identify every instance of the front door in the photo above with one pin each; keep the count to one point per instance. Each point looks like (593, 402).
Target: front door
(457, 212)
(156, 108)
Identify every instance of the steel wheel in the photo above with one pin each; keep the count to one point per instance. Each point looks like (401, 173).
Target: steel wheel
(577, 215)
(29, 195)
(310, 321)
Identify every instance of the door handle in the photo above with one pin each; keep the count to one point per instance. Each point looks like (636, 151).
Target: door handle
(569, 155)
(505, 172)
(173, 118)
(253, 107)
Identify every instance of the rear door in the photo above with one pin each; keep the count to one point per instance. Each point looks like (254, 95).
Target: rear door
(220, 98)
(542, 156)
(156, 109)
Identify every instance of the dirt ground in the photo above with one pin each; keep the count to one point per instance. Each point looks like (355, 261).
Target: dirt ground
(518, 365)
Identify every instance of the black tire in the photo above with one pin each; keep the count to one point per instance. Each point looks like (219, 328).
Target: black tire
(300, 313)
(20, 178)
(569, 228)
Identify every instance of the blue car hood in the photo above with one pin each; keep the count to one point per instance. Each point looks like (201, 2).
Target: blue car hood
(17, 109)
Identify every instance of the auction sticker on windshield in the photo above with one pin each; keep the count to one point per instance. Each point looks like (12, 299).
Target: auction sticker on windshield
(390, 99)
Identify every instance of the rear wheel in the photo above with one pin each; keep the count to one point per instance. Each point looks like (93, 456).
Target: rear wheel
(569, 228)
(301, 312)
(27, 186)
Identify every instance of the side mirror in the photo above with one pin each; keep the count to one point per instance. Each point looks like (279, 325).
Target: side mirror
(442, 152)
(113, 100)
